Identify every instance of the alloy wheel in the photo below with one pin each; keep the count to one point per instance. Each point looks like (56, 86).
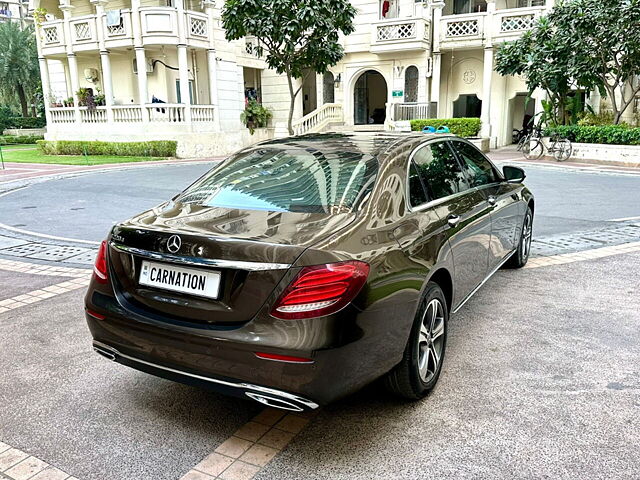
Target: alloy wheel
(526, 236)
(431, 340)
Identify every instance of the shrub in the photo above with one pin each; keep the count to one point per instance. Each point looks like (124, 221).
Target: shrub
(604, 134)
(463, 127)
(159, 148)
(602, 118)
(19, 139)
(28, 122)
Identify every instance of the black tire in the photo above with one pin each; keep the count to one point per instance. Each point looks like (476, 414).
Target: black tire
(563, 150)
(533, 150)
(521, 255)
(408, 379)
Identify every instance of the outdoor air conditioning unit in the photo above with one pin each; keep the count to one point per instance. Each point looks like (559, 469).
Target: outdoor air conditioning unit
(149, 66)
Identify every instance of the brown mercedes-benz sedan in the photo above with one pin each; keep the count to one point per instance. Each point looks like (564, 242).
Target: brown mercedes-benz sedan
(299, 270)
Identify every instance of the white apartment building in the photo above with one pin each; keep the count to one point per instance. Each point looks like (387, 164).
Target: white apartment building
(15, 10)
(407, 59)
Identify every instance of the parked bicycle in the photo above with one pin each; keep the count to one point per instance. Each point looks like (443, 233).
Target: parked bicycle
(533, 148)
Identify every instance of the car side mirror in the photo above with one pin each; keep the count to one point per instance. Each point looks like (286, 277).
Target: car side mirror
(513, 174)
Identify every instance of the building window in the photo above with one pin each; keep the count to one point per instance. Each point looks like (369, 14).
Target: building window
(469, 6)
(389, 9)
(411, 84)
(328, 88)
(530, 3)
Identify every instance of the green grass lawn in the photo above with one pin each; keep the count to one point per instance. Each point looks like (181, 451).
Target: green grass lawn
(23, 154)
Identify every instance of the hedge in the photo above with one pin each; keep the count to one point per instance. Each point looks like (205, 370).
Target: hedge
(19, 139)
(603, 134)
(463, 127)
(27, 122)
(160, 148)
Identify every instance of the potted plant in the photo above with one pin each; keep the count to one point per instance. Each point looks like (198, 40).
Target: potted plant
(255, 116)
(99, 99)
(69, 102)
(39, 15)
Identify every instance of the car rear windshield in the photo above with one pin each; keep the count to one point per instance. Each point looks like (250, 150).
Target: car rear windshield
(286, 179)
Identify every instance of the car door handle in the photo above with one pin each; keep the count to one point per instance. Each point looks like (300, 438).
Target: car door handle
(453, 220)
(492, 200)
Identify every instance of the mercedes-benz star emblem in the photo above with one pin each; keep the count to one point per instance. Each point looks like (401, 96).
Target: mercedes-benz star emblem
(174, 243)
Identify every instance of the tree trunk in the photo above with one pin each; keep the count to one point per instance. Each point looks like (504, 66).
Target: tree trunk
(292, 105)
(23, 100)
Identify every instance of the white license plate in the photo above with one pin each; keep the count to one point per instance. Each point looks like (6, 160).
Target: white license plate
(180, 279)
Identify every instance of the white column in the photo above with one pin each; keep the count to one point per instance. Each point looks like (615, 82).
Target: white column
(212, 64)
(143, 96)
(485, 114)
(107, 83)
(435, 83)
(183, 70)
(594, 100)
(75, 84)
(46, 87)
(141, 61)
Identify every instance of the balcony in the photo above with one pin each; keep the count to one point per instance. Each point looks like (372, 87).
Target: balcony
(159, 27)
(511, 23)
(463, 30)
(400, 35)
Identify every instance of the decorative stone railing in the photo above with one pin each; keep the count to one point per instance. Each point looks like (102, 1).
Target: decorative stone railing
(516, 20)
(467, 26)
(409, 111)
(400, 34)
(154, 112)
(315, 121)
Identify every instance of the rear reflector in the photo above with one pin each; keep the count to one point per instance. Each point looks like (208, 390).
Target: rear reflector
(100, 267)
(321, 290)
(95, 315)
(283, 358)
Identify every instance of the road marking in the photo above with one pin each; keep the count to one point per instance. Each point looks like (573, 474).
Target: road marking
(18, 465)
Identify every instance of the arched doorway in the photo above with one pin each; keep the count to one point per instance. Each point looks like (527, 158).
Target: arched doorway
(370, 99)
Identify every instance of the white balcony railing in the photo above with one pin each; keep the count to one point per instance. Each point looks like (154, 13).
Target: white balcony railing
(166, 112)
(156, 112)
(93, 115)
(400, 34)
(159, 27)
(516, 20)
(52, 34)
(318, 119)
(463, 27)
(83, 29)
(127, 113)
(409, 111)
(63, 115)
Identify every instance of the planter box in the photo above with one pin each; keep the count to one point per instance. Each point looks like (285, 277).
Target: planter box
(623, 155)
(481, 143)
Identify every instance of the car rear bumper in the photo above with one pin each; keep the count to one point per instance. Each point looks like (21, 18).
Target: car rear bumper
(267, 396)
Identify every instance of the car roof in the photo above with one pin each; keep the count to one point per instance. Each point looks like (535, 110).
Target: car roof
(376, 144)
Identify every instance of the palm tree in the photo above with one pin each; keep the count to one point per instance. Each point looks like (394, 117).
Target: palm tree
(19, 71)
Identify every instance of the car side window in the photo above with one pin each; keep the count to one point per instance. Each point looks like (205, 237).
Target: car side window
(476, 166)
(417, 195)
(440, 170)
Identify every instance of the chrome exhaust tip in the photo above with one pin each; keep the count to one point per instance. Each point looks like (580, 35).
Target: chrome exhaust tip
(105, 352)
(274, 402)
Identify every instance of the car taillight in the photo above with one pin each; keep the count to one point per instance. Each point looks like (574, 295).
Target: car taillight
(321, 290)
(100, 267)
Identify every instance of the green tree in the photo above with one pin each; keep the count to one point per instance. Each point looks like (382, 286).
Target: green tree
(19, 72)
(540, 56)
(296, 36)
(604, 40)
